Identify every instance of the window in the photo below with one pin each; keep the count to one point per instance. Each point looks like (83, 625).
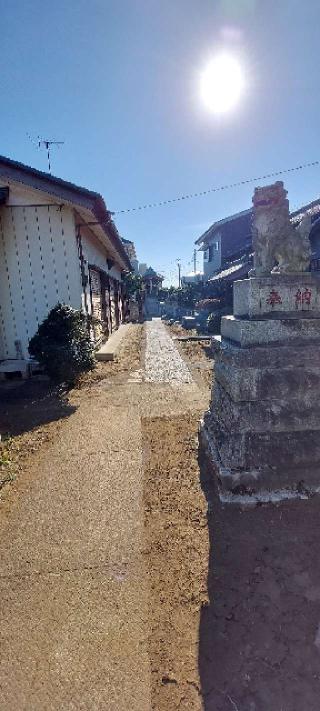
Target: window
(213, 250)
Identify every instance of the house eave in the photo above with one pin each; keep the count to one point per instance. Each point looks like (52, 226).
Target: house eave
(66, 192)
(210, 232)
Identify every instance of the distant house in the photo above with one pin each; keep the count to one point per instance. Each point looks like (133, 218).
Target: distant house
(58, 243)
(224, 241)
(152, 281)
(192, 278)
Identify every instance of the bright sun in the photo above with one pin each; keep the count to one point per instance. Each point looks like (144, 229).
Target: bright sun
(222, 83)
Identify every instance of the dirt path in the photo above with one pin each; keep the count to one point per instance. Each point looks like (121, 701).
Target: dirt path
(74, 575)
(177, 554)
(235, 627)
(175, 523)
(121, 586)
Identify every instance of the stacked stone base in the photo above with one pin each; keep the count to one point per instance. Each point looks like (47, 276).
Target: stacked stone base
(263, 427)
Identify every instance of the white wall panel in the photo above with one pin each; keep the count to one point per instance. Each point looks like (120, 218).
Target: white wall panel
(8, 333)
(23, 271)
(48, 252)
(39, 266)
(93, 252)
(68, 233)
(62, 266)
(96, 254)
(115, 273)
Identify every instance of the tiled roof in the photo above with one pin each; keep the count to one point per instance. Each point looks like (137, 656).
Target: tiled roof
(312, 209)
(46, 176)
(234, 271)
(151, 273)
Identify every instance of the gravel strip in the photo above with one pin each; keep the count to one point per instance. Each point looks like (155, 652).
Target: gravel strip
(163, 363)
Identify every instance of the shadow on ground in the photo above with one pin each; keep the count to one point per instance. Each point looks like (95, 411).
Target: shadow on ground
(259, 637)
(30, 403)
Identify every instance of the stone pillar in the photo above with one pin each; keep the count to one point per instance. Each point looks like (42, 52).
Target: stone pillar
(263, 427)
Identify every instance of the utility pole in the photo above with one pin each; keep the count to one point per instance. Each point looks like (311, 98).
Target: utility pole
(179, 272)
(195, 261)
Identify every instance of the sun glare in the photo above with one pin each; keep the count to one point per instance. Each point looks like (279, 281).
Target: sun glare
(222, 83)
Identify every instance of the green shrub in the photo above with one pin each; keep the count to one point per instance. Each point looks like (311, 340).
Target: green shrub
(62, 344)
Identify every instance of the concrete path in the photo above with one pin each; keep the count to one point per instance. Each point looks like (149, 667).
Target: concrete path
(72, 581)
(163, 363)
(110, 349)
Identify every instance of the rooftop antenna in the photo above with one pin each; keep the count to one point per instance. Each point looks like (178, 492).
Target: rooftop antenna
(48, 145)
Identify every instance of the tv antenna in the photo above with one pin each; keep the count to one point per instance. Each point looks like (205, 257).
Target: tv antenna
(45, 143)
(48, 145)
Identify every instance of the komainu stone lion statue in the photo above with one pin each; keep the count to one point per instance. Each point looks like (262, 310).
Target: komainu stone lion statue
(279, 247)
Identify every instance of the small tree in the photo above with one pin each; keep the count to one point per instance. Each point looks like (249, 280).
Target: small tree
(188, 295)
(132, 285)
(62, 344)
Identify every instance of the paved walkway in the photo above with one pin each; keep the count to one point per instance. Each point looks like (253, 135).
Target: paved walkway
(73, 588)
(72, 581)
(163, 363)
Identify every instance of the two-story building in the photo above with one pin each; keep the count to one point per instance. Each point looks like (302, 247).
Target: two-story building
(225, 241)
(227, 244)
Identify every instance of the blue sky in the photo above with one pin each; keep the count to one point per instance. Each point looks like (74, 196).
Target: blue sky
(118, 81)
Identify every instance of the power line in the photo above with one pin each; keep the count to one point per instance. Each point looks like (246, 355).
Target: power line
(169, 201)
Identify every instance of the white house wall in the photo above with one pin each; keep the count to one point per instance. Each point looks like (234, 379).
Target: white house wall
(95, 254)
(211, 267)
(39, 266)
